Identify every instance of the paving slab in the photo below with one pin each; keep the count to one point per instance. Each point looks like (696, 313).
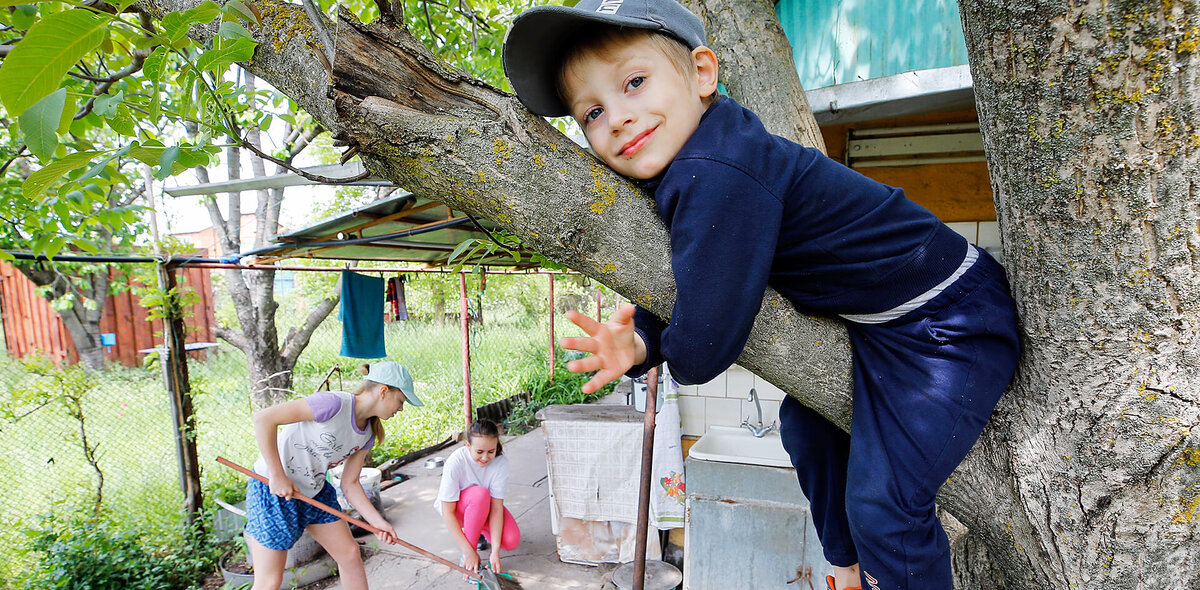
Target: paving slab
(408, 506)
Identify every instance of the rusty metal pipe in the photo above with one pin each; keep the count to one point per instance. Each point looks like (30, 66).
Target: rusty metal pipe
(643, 521)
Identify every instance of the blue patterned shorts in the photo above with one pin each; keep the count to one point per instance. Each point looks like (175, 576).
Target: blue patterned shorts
(277, 523)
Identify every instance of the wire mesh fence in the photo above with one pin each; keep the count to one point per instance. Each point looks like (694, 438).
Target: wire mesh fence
(104, 439)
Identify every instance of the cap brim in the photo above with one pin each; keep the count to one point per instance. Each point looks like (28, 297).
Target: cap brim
(412, 399)
(533, 51)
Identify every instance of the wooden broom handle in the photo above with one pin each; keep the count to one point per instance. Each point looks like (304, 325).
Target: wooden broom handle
(351, 519)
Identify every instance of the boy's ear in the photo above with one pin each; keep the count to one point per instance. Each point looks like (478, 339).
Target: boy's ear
(706, 70)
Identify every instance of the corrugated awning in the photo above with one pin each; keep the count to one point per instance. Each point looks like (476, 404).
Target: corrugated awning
(398, 228)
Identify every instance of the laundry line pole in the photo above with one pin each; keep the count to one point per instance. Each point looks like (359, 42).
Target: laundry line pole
(552, 328)
(466, 349)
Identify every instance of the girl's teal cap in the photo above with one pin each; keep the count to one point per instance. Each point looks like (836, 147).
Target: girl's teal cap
(393, 374)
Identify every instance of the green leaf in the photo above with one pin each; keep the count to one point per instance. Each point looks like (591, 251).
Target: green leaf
(232, 30)
(236, 8)
(462, 246)
(150, 155)
(39, 124)
(68, 113)
(216, 60)
(168, 158)
(39, 181)
(194, 157)
(122, 122)
(36, 65)
(176, 24)
(153, 66)
(105, 105)
(94, 170)
(186, 83)
(23, 16)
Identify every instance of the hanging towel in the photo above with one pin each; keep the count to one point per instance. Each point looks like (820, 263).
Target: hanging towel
(395, 296)
(667, 490)
(361, 313)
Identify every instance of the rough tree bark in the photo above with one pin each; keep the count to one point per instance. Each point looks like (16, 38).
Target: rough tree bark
(1089, 471)
(1089, 116)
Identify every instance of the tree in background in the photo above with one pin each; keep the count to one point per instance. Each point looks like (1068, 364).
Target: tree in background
(1088, 476)
(101, 215)
(270, 361)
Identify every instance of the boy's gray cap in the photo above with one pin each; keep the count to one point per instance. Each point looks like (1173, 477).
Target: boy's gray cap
(535, 43)
(393, 374)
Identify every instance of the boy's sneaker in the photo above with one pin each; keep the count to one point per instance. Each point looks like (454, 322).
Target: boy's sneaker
(832, 586)
(482, 544)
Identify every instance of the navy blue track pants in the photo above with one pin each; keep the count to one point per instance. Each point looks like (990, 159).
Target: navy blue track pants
(925, 385)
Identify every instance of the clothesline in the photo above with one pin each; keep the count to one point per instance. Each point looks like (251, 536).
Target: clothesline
(219, 265)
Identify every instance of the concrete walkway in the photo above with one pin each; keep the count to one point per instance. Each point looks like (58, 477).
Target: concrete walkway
(535, 564)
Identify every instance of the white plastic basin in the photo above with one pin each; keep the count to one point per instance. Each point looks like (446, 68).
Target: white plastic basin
(727, 444)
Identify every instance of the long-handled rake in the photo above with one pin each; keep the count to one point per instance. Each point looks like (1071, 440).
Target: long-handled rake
(485, 577)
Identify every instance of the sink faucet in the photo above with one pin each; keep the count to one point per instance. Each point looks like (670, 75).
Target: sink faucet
(757, 429)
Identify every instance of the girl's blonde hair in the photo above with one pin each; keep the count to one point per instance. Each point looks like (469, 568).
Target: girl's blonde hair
(374, 421)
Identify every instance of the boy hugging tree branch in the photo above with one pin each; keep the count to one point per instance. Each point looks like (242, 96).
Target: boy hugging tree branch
(932, 325)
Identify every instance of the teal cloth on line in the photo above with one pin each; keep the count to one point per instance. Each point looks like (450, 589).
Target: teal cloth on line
(361, 313)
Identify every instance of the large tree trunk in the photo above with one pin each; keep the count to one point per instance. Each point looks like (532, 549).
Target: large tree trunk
(1089, 116)
(1089, 471)
(82, 319)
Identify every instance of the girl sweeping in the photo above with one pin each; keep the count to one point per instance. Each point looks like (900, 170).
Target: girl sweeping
(471, 496)
(320, 432)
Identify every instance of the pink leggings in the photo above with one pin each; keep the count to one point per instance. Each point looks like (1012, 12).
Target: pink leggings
(474, 504)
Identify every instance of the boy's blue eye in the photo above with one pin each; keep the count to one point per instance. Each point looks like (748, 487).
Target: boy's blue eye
(637, 81)
(593, 114)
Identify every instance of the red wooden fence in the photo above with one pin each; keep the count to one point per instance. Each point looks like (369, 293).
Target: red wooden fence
(31, 325)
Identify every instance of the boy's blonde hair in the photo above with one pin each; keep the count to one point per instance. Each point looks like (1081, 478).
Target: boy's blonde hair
(601, 38)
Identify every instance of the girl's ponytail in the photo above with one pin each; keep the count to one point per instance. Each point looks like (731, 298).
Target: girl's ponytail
(376, 428)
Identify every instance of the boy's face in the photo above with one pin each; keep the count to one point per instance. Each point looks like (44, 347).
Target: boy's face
(635, 107)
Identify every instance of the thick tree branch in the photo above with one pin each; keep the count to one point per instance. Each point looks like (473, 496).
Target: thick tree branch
(297, 339)
(233, 337)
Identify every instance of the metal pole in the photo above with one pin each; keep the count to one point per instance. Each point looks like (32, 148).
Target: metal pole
(643, 521)
(466, 348)
(175, 371)
(551, 328)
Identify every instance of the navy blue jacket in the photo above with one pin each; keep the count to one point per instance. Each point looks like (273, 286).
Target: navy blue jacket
(745, 209)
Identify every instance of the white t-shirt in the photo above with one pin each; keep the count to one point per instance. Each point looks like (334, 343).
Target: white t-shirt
(461, 472)
(310, 448)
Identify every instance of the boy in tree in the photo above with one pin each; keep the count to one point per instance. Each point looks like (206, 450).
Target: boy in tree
(932, 325)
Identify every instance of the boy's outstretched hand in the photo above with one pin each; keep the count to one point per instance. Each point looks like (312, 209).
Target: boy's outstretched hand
(614, 347)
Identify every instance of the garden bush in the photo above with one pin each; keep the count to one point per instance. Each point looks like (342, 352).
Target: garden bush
(83, 550)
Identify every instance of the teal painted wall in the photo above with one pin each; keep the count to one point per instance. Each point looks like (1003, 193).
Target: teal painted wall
(839, 41)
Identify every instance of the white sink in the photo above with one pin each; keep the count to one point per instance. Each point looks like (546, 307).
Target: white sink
(736, 445)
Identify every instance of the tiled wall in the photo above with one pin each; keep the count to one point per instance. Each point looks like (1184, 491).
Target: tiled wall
(722, 401)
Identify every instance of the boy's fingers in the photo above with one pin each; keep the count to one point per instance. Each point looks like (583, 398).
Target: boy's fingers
(580, 344)
(597, 381)
(587, 324)
(624, 313)
(585, 365)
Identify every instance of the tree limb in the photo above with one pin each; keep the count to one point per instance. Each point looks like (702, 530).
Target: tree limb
(297, 339)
